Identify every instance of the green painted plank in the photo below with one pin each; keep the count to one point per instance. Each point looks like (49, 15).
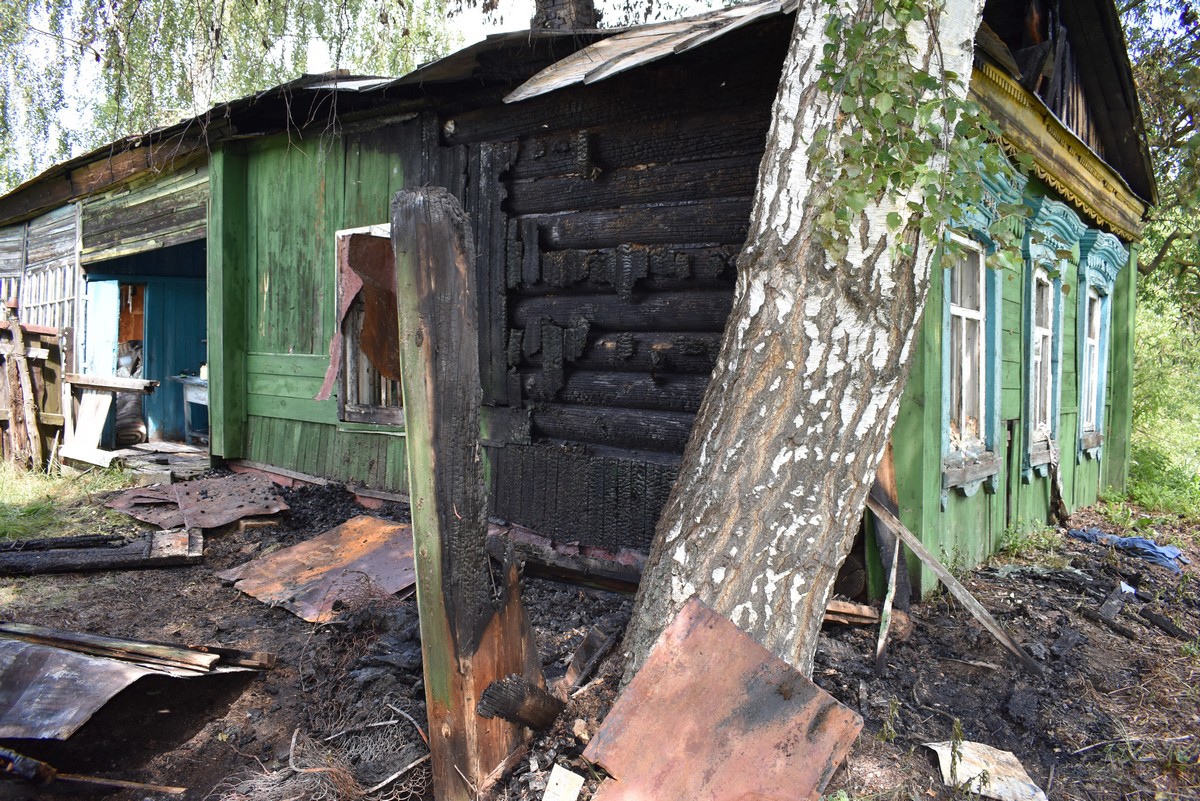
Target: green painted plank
(1119, 416)
(298, 387)
(287, 364)
(227, 271)
(292, 408)
(1010, 402)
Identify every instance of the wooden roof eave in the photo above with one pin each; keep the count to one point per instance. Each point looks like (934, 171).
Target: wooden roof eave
(1060, 158)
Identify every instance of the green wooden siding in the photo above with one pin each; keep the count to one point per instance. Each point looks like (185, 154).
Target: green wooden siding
(277, 205)
(969, 529)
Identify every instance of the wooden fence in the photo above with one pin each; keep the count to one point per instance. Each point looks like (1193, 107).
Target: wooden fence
(31, 384)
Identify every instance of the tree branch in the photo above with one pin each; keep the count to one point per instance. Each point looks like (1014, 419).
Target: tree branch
(1146, 269)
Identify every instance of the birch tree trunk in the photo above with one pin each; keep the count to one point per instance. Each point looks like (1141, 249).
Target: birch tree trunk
(813, 363)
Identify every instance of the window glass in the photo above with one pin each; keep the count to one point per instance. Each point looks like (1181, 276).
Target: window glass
(968, 382)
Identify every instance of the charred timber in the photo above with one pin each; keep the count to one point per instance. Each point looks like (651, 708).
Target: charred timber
(717, 222)
(622, 428)
(519, 700)
(665, 392)
(668, 311)
(468, 639)
(644, 183)
(648, 353)
(675, 140)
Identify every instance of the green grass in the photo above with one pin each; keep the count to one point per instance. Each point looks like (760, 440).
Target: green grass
(1160, 483)
(1038, 539)
(39, 505)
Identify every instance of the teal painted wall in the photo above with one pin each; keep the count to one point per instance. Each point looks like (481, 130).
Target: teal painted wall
(969, 529)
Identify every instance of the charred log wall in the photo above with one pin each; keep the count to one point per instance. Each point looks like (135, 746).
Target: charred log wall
(609, 217)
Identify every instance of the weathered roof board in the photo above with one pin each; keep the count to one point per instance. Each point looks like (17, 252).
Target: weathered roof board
(152, 213)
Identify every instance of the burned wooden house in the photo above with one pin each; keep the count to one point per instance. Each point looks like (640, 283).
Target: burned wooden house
(608, 178)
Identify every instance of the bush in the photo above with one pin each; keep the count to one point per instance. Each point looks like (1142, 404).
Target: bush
(1165, 470)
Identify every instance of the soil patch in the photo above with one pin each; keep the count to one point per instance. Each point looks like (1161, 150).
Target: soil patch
(344, 708)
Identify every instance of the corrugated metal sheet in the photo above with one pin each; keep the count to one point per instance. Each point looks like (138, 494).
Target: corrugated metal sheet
(153, 213)
(365, 554)
(644, 44)
(51, 281)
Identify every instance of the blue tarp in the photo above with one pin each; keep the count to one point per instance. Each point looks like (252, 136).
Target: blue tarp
(1169, 556)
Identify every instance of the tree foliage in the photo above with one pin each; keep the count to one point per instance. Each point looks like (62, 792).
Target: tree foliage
(78, 73)
(1164, 48)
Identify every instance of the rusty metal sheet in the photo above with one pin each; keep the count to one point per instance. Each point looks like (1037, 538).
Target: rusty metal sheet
(740, 722)
(364, 553)
(48, 692)
(156, 505)
(213, 502)
(207, 503)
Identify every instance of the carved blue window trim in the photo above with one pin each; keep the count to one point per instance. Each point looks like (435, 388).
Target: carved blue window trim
(1051, 242)
(1101, 258)
(975, 225)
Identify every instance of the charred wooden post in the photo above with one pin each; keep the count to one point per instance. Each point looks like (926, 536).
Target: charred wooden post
(467, 639)
(517, 699)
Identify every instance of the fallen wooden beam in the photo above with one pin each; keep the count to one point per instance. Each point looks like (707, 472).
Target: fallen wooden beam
(1164, 623)
(1096, 617)
(956, 588)
(546, 560)
(41, 774)
(155, 549)
(595, 646)
(135, 651)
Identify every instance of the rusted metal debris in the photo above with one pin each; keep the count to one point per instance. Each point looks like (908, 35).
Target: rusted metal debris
(742, 722)
(207, 503)
(364, 553)
(985, 771)
(53, 681)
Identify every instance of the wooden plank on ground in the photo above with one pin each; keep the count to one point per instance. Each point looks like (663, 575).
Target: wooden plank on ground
(956, 588)
(155, 549)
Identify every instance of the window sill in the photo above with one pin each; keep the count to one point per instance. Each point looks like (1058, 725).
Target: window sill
(383, 429)
(968, 477)
(1090, 444)
(1038, 459)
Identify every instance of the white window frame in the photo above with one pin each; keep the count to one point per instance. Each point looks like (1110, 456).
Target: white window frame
(1090, 400)
(968, 358)
(1042, 355)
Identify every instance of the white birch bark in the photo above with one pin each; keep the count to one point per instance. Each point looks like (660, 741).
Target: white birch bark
(813, 364)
